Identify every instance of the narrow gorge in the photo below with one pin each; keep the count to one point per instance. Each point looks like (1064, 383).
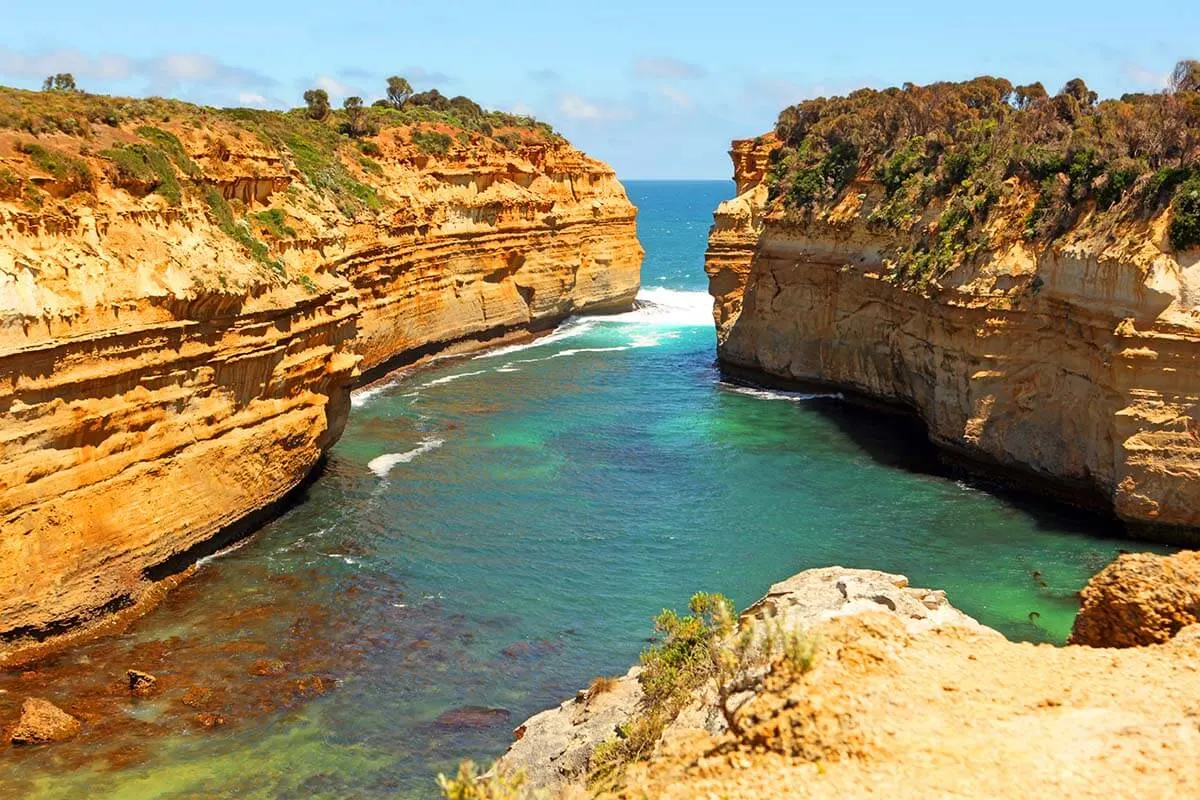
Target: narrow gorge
(189, 296)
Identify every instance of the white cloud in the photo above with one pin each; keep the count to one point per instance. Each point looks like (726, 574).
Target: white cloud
(677, 97)
(334, 87)
(162, 73)
(665, 67)
(1145, 78)
(252, 99)
(522, 109)
(575, 107)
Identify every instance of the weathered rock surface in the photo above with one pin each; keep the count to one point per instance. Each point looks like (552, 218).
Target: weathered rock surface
(552, 749)
(162, 386)
(1140, 599)
(908, 697)
(1071, 369)
(42, 722)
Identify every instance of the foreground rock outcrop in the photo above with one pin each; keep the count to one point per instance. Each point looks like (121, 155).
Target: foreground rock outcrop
(1140, 599)
(907, 697)
(1067, 365)
(188, 295)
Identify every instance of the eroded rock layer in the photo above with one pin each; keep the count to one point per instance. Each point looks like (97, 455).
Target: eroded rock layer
(176, 361)
(1071, 368)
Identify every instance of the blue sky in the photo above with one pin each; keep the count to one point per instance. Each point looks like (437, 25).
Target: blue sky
(657, 89)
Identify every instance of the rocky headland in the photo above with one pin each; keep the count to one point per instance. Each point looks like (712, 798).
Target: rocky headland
(896, 694)
(188, 295)
(1017, 269)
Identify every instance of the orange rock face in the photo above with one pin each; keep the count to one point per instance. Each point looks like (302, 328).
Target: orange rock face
(1072, 370)
(163, 385)
(1140, 599)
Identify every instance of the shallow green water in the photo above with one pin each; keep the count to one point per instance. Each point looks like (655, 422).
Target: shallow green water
(495, 531)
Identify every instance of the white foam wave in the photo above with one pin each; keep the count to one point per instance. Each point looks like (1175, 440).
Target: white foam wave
(360, 397)
(450, 379)
(671, 308)
(578, 350)
(570, 328)
(383, 464)
(779, 394)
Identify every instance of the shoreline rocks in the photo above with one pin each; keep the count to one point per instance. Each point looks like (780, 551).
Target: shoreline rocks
(42, 722)
(1140, 599)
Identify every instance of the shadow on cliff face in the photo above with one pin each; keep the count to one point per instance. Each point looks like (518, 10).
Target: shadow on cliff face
(897, 438)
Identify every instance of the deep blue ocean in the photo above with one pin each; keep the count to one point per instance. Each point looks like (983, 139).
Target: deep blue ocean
(494, 531)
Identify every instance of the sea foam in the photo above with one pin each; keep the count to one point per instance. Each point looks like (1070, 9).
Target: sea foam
(383, 464)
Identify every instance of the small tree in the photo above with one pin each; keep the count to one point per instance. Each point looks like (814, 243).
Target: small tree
(398, 91)
(355, 115)
(1079, 90)
(1024, 97)
(1186, 77)
(62, 82)
(317, 101)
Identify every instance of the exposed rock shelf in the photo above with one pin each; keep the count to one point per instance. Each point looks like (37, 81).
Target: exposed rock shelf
(1070, 369)
(164, 385)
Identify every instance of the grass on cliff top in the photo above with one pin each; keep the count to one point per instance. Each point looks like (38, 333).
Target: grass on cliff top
(946, 156)
(143, 165)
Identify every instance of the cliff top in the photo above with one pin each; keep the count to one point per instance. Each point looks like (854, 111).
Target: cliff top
(950, 171)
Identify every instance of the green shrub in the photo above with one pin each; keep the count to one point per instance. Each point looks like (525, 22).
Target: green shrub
(1185, 216)
(223, 215)
(64, 168)
(11, 185)
(431, 142)
(275, 223)
(144, 164)
(169, 143)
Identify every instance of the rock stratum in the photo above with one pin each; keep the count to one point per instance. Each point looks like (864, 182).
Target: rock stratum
(1069, 365)
(187, 297)
(904, 696)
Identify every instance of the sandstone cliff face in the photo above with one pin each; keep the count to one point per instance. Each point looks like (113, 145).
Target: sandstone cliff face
(1072, 368)
(171, 367)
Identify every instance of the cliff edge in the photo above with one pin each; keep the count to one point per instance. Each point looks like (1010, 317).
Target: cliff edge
(1017, 269)
(188, 295)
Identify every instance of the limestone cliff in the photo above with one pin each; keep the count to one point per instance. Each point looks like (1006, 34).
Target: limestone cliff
(1070, 367)
(901, 695)
(188, 295)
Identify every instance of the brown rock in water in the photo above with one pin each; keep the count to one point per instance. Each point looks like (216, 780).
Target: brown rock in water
(142, 684)
(209, 720)
(198, 697)
(268, 666)
(473, 717)
(1139, 599)
(43, 722)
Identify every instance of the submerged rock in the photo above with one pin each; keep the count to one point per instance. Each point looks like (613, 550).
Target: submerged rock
(43, 722)
(1139, 599)
(473, 717)
(141, 684)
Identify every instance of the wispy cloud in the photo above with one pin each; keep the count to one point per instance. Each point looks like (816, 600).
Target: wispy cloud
(677, 97)
(544, 76)
(575, 107)
(667, 68)
(162, 73)
(1144, 77)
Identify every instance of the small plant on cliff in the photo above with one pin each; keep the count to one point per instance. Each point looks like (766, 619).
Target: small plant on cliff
(11, 185)
(431, 142)
(1185, 215)
(67, 169)
(223, 216)
(671, 672)
(274, 221)
(468, 784)
(142, 165)
(169, 143)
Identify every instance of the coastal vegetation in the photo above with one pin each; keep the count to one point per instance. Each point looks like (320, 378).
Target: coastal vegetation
(948, 157)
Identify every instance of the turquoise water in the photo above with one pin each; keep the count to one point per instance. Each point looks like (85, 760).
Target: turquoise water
(497, 530)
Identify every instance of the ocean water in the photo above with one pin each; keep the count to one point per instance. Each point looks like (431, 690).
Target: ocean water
(494, 531)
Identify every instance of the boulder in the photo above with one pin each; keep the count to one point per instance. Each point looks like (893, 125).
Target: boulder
(1139, 599)
(43, 722)
(141, 684)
